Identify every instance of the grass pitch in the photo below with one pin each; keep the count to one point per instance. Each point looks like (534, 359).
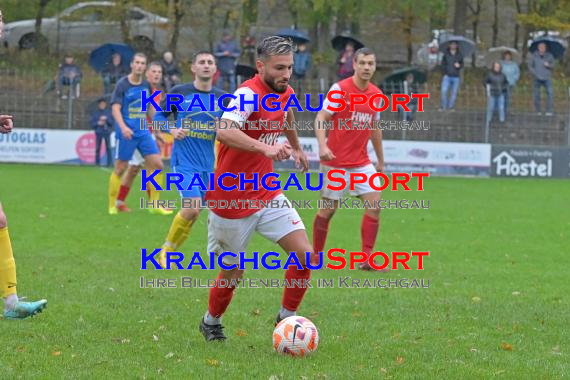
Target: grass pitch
(497, 306)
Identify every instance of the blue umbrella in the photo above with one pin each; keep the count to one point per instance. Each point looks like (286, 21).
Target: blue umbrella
(296, 35)
(554, 46)
(466, 46)
(100, 57)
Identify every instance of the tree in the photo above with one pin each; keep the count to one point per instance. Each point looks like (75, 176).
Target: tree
(476, 11)
(460, 17)
(546, 15)
(121, 8)
(517, 24)
(437, 14)
(40, 43)
(495, 22)
(318, 16)
(410, 14)
(248, 17)
(175, 13)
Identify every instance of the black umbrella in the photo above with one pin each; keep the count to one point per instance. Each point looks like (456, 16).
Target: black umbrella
(554, 46)
(466, 46)
(399, 75)
(296, 35)
(393, 82)
(245, 72)
(340, 41)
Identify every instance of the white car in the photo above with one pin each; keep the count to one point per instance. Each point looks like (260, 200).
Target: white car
(87, 25)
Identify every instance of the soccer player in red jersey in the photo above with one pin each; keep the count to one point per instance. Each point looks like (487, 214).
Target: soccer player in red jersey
(252, 150)
(154, 78)
(347, 148)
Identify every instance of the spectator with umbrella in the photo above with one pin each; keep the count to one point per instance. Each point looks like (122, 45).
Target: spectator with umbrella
(409, 87)
(112, 72)
(296, 35)
(554, 45)
(345, 69)
(541, 64)
(301, 58)
(405, 80)
(496, 85)
(347, 45)
(244, 72)
(512, 72)
(451, 65)
(112, 61)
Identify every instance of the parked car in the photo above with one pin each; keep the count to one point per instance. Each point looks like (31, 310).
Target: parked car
(86, 25)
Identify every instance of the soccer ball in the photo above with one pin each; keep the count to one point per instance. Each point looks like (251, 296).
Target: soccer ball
(295, 336)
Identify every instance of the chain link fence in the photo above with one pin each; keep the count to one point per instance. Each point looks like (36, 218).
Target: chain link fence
(30, 97)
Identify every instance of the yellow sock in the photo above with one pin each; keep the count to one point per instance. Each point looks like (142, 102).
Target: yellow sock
(154, 194)
(7, 265)
(114, 186)
(179, 231)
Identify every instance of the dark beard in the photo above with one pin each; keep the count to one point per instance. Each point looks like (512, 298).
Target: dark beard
(271, 83)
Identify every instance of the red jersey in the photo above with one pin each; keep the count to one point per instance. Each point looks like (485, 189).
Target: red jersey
(235, 161)
(350, 145)
(157, 100)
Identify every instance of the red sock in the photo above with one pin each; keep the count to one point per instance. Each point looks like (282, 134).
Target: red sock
(369, 231)
(320, 230)
(123, 192)
(220, 298)
(292, 296)
(148, 192)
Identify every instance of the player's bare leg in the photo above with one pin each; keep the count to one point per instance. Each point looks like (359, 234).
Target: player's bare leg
(296, 241)
(179, 230)
(154, 162)
(218, 301)
(115, 184)
(321, 227)
(14, 308)
(126, 184)
(370, 227)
